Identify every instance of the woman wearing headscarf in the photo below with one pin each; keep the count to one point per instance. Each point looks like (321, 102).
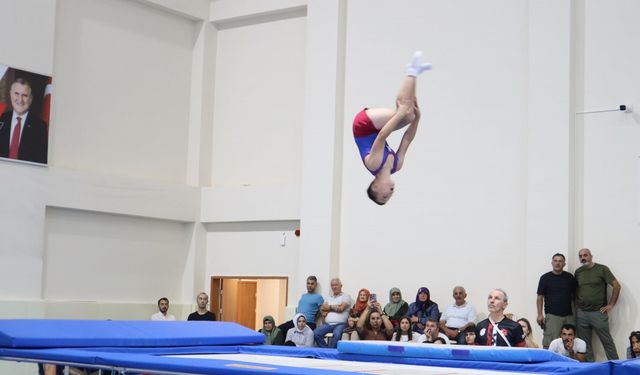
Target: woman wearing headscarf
(273, 335)
(397, 308)
(422, 309)
(300, 334)
(362, 302)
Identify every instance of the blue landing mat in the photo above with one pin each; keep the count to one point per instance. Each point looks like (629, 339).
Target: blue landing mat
(35, 333)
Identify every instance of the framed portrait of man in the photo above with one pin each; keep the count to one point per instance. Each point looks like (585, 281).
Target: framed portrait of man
(25, 101)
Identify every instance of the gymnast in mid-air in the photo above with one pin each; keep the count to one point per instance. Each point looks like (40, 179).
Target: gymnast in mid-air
(372, 127)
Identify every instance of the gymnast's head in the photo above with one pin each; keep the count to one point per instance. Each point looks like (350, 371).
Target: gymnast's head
(380, 191)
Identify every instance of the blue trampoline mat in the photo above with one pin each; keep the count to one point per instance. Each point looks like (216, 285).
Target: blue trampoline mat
(144, 345)
(450, 352)
(151, 363)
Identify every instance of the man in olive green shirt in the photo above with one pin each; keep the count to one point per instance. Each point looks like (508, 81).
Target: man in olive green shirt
(592, 305)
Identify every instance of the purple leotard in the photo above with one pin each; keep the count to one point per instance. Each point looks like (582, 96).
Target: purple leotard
(365, 133)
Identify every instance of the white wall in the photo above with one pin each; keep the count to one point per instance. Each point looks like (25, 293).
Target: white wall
(258, 104)
(122, 89)
(458, 213)
(253, 249)
(608, 173)
(94, 256)
(93, 199)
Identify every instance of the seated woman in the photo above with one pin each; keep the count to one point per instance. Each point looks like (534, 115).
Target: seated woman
(397, 308)
(300, 334)
(403, 331)
(422, 309)
(361, 304)
(273, 335)
(633, 351)
(374, 324)
(528, 335)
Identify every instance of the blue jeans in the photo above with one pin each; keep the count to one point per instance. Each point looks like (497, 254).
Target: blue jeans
(336, 329)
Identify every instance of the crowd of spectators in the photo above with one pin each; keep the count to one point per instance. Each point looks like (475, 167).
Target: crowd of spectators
(570, 307)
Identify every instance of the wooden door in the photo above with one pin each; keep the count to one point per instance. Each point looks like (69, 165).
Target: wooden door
(246, 304)
(215, 305)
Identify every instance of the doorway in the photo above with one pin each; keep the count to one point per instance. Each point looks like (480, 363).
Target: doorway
(247, 299)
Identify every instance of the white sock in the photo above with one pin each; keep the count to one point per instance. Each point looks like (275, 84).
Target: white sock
(415, 67)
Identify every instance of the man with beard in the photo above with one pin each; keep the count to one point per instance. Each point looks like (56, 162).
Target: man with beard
(309, 305)
(568, 344)
(592, 305)
(163, 307)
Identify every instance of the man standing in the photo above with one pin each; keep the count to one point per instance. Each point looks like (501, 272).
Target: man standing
(163, 307)
(556, 289)
(336, 312)
(458, 316)
(202, 313)
(309, 305)
(568, 345)
(23, 135)
(498, 330)
(592, 306)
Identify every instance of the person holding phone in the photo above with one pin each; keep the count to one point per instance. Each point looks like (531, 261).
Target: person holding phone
(374, 324)
(362, 302)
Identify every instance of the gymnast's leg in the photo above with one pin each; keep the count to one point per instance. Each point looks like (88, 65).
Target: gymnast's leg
(405, 99)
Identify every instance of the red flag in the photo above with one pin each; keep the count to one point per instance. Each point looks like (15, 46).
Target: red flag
(46, 103)
(3, 70)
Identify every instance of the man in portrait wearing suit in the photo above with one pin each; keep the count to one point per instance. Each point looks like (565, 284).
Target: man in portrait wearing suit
(23, 135)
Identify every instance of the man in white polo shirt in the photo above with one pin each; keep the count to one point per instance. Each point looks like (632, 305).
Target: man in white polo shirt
(569, 345)
(458, 316)
(336, 307)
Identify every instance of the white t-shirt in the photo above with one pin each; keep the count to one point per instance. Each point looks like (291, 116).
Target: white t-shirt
(423, 338)
(579, 346)
(161, 316)
(405, 338)
(457, 316)
(336, 317)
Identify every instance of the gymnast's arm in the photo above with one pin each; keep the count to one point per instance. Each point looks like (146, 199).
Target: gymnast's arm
(407, 138)
(377, 149)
